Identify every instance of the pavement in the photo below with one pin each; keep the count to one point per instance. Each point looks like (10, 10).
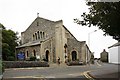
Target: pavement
(58, 65)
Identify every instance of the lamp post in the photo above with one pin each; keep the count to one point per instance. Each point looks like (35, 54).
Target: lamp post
(89, 37)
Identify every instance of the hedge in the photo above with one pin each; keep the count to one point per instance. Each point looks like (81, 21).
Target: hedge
(71, 63)
(24, 64)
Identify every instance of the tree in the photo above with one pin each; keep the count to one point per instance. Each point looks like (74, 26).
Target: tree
(9, 43)
(104, 15)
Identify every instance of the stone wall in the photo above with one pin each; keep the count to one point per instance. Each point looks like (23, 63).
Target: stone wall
(74, 45)
(29, 50)
(45, 26)
(48, 45)
(60, 40)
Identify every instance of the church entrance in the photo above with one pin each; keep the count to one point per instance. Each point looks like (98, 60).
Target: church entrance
(47, 55)
(74, 55)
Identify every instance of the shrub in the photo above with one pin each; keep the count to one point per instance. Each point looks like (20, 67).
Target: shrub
(33, 58)
(11, 58)
(75, 63)
(1, 67)
(24, 64)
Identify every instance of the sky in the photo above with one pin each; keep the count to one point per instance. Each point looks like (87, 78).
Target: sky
(19, 14)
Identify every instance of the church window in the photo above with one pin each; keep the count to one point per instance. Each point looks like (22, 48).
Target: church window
(36, 36)
(34, 52)
(37, 23)
(41, 34)
(33, 37)
(74, 55)
(27, 54)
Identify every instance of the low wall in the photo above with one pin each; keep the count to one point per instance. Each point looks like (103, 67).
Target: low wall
(24, 64)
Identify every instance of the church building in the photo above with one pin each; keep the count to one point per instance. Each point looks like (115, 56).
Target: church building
(48, 40)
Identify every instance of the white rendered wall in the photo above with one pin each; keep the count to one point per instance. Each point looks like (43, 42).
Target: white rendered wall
(118, 54)
(113, 54)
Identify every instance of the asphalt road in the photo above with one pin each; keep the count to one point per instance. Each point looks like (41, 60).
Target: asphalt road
(58, 73)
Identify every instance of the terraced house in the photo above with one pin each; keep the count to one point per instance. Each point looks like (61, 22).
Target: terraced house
(48, 40)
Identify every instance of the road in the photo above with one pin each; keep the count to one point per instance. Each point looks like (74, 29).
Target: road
(59, 72)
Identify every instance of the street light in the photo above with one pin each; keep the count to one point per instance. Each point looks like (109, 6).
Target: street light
(89, 37)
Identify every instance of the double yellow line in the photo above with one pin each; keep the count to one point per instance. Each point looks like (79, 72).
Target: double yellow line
(87, 75)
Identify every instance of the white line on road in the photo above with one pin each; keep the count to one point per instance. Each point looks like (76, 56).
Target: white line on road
(50, 77)
(75, 74)
(25, 68)
(28, 77)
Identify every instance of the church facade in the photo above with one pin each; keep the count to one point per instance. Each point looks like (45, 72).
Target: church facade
(48, 40)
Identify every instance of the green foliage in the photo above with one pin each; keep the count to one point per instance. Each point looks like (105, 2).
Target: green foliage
(9, 42)
(1, 67)
(11, 58)
(1, 26)
(106, 16)
(33, 58)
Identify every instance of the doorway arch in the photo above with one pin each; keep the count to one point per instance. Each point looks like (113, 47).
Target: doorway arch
(74, 55)
(47, 55)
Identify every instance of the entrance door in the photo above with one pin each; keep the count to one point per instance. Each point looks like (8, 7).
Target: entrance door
(74, 55)
(47, 55)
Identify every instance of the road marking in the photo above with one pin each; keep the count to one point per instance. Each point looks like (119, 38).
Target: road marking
(75, 74)
(50, 77)
(25, 68)
(28, 77)
(87, 76)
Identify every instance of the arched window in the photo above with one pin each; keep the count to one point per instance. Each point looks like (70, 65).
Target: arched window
(43, 35)
(33, 37)
(37, 23)
(38, 35)
(27, 55)
(47, 55)
(74, 55)
(34, 52)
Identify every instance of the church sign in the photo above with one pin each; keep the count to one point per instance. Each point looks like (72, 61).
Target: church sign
(21, 56)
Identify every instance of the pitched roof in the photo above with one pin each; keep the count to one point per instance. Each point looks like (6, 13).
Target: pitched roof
(33, 43)
(69, 32)
(114, 45)
(40, 20)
